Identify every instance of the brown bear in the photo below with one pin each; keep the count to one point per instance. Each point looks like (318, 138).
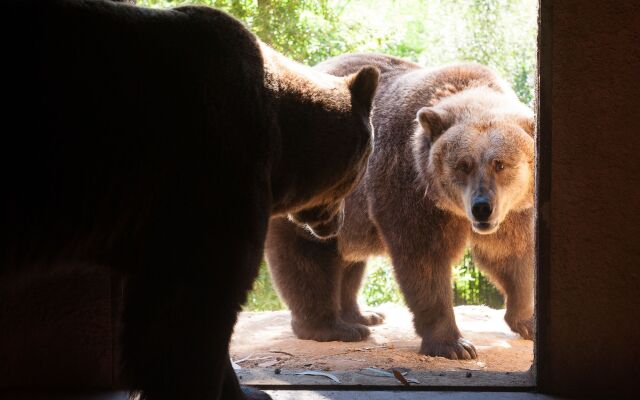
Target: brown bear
(453, 164)
(158, 144)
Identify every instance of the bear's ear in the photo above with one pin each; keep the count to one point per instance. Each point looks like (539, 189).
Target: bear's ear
(363, 85)
(434, 121)
(528, 124)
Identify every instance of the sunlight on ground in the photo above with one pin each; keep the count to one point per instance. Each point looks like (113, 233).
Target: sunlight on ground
(266, 351)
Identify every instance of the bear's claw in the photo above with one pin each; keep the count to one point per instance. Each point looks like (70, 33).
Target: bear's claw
(524, 327)
(368, 318)
(339, 330)
(460, 349)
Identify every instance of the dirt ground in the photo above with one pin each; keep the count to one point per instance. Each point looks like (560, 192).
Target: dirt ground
(265, 351)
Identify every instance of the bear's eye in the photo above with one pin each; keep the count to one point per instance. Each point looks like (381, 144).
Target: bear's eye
(464, 166)
(499, 165)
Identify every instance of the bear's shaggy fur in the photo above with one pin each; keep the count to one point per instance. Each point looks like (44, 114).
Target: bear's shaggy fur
(452, 164)
(159, 143)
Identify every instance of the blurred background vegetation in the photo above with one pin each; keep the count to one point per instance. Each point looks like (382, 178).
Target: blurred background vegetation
(497, 33)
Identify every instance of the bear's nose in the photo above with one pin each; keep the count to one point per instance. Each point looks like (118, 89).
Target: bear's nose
(481, 209)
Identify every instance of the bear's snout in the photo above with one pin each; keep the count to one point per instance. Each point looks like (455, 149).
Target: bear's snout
(482, 211)
(481, 208)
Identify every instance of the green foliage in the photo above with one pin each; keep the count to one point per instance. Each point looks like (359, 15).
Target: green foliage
(305, 30)
(263, 297)
(471, 287)
(497, 33)
(380, 286)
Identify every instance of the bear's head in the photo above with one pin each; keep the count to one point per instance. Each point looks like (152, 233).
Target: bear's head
(343, 145)
(474, 152)
(325, 139)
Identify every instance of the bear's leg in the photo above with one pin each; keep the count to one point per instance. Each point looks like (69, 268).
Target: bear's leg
(308, 274)
(231, 389)
(426, 284)
(179, 313)
(350, 310)
(423, 243)
(507, 257)
(513, 275)
(175, 341)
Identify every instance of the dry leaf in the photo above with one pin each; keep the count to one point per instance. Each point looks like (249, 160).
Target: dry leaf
(387, 374)
(236, 364)
(371, 348)
(281, 352)
(320, 373)
(398, 376)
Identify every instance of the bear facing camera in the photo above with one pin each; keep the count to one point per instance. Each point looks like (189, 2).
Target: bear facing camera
(453, 165)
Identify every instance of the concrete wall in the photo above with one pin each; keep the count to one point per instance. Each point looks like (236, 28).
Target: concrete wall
(589, 282)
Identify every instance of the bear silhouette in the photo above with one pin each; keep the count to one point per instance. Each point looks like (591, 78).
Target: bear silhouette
(158, 144)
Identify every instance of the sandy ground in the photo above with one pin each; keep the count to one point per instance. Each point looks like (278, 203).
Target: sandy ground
(266, 351)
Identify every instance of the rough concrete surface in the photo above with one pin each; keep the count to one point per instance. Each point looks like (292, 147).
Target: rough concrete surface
(368, 395)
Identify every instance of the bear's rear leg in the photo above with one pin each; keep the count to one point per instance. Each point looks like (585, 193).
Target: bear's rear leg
(308, 274)
(350, 310)
(175, 339)
(179, 313)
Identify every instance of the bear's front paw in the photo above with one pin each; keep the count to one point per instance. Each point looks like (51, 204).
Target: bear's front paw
(460, 349)
(337, 330)
(524, 327)
(365, 318)
(254, 394)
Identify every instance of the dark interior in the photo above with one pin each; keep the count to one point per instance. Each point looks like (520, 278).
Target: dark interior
(60, 332)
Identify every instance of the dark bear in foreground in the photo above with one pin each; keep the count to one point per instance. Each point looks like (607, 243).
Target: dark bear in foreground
(452, 164)
(159, 143)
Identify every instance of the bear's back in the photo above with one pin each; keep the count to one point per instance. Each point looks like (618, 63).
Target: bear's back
(349, 63)
(400, 97)
(122, 117)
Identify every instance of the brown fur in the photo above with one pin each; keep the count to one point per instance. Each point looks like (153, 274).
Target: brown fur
(158, 143)
(440, 137)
